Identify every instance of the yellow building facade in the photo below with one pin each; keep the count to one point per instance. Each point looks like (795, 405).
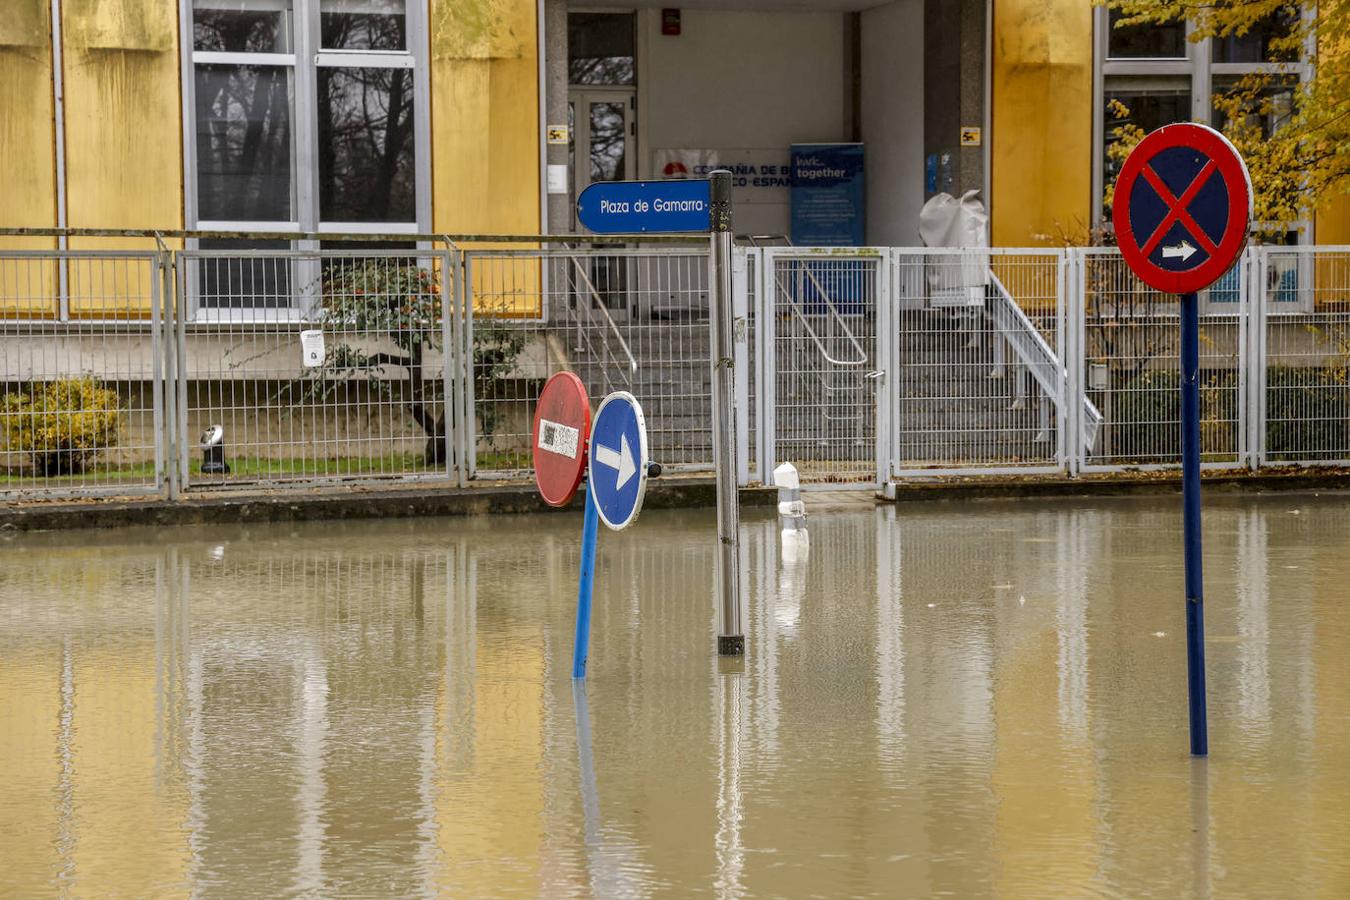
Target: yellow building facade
(103, 110)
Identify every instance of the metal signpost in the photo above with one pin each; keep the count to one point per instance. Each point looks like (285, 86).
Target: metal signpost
(694, 205)
(1182, 213)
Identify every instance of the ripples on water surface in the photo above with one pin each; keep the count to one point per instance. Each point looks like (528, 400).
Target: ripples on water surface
(958, 699)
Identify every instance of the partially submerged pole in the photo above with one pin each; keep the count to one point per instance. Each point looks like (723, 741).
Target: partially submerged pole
(731, 636)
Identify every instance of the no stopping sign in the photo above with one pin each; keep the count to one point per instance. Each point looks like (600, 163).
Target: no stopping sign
(1182, 208)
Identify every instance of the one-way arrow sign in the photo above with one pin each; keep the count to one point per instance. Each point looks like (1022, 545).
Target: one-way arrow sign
(618, 477)
(1181, 251)
(621, 459)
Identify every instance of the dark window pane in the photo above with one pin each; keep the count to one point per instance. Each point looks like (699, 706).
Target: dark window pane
(608, 134)
(241, 26)
(1150, 108)
(600, 48)
(243, 143)
(1146, 41)
(363, 25)
(1254, 46)
(245, 282)
(367, 171)
(1267, 108)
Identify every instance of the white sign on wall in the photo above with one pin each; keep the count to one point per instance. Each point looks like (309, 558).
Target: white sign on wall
(757, 175)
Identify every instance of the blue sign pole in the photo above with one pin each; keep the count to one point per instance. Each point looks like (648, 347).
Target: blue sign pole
(1190, 499)
(590, 526)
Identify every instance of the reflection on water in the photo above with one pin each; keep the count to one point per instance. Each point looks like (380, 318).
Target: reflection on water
(964, 699)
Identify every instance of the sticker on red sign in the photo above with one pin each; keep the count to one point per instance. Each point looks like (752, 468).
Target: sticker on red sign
(562, 425)
(1182, 208)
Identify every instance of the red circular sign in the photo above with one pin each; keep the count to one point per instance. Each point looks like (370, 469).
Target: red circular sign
(1182, 208)
(562, 425)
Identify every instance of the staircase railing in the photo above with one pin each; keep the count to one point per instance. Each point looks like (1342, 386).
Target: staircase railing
(592, 301)
(1036, 356)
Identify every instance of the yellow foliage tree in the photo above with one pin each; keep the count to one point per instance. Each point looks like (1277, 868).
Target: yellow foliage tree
(1307, 159)
(62, 424)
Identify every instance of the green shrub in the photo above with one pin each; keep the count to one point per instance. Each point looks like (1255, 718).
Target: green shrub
(1307, 412)
(1146, 412)
(62, 424)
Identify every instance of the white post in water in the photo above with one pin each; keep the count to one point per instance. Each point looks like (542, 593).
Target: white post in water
(730, 637)
(796, 541)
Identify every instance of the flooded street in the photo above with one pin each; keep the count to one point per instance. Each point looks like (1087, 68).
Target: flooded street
(941, 699)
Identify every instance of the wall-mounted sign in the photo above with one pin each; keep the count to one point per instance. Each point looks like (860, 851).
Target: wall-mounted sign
(758, 175)
(670, 21)
(827, 195)
(556, 134)
(970, 136)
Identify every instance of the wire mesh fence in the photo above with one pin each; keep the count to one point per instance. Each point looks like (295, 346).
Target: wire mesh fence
(1303, 305)
(313, 366)
(978, 382)
(820, 349)
(80, 400)
(246, 363)
(621, 319)
(1130, 344)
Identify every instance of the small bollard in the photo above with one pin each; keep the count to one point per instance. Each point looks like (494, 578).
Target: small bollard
(791, 510)
(213, 451)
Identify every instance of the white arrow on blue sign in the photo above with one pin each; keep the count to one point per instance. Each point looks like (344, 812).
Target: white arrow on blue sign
(618, 459)
(634, 207)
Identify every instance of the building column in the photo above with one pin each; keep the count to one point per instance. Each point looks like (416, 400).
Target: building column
(555, 109)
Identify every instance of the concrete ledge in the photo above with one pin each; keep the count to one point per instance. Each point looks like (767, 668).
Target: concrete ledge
(1003, 487)
(337, 504)
(672, 492)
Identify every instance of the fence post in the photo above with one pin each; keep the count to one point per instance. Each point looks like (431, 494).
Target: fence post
(450, 362)
(1075, 394)
(881, 396)
(767, 360)
(469, 427)
(1255, 289)
(172, 439)
(740, 313)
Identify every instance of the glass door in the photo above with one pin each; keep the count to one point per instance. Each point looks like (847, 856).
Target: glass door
(601, 149)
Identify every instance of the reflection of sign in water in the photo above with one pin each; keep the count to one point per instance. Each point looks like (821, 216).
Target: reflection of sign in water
(827, 195)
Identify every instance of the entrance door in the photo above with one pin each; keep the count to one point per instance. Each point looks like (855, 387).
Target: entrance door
(602, 149)
(602, 128)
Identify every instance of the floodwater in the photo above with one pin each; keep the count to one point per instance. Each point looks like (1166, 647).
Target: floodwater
(940, 699)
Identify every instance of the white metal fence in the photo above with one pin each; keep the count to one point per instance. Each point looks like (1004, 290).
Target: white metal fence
(321, 363)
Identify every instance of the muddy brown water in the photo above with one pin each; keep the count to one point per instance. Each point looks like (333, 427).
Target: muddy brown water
(963, 699)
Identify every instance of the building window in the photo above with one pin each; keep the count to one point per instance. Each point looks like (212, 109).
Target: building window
(600, 48)
(1150, 76)
(308, 115)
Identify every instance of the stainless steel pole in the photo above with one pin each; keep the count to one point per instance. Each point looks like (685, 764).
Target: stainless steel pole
(731, 636)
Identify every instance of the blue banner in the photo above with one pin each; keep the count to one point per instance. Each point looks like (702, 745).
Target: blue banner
(827, 195)
(631, 207)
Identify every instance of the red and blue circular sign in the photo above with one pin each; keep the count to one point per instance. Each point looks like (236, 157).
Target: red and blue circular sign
(562, 424)
(1182, 208)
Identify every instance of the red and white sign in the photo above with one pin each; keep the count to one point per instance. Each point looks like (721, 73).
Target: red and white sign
(562, 427)
(1182, 208)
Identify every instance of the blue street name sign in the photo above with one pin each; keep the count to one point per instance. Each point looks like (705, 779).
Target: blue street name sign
(632, 207)
(618, 459)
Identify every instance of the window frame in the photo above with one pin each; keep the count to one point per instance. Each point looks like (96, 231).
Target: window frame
(1201, 71)
(305, 59)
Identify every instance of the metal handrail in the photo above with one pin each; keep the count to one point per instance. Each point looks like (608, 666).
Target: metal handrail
(613, 326)
(796, 309)
(1012, 321)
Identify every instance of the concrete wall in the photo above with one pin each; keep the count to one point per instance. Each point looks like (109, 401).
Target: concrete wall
(892, 120)
(743, 81)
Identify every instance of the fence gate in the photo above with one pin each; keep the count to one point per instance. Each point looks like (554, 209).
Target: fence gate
(822, 319)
